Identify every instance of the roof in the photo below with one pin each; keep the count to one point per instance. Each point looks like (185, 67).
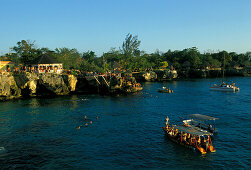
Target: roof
(45, 59)
(7, 62)
(192, 130)
(201, 117)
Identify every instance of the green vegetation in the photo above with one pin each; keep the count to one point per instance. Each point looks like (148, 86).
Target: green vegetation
(129, 57)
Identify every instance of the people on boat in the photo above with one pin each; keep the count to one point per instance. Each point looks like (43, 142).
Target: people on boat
(167, 121)
(196, 139)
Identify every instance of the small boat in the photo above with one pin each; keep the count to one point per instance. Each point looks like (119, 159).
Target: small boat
(203, 122)
(191, 137)
(165, 90)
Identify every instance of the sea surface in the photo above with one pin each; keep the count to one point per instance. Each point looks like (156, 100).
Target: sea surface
(126, 131)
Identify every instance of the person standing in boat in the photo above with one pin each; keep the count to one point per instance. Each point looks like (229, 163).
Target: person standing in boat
(167, 121)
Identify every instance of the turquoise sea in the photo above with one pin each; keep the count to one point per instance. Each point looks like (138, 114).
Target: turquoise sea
(126, 131)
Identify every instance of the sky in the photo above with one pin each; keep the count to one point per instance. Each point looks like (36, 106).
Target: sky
(100, 25)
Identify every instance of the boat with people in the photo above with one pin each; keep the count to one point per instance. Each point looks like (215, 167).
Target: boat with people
(165, 90)
(203, 122)
(189, 136)
(225, 87)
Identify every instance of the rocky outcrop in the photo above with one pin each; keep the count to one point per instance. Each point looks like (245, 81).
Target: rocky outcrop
(27, 82)
(145, 76)
(14, 85)
(53, 83)
(8, 87)
(127, 84)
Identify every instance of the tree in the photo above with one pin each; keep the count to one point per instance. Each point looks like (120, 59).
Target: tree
(130, 46)
(193, 56)
(26, 50)
(89, 56)
(70, 58)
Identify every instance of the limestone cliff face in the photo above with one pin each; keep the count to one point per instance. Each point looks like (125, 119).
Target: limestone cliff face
(8, 87)
(145, 76)
(27, 82)
(72, 82)
(53, 83)
(31, 84)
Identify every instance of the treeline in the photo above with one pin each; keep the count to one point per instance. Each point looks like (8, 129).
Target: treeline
(129, 57)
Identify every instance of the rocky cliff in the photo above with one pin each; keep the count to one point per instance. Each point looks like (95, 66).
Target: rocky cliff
(8, 87)
(15, 85)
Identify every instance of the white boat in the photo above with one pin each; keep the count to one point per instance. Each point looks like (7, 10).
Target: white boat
(225, 87)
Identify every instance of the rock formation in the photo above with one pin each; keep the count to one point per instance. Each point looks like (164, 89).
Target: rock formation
(15, 85)
(8, 87)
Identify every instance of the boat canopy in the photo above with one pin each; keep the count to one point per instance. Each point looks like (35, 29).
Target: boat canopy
(201, 117)
(192, 130)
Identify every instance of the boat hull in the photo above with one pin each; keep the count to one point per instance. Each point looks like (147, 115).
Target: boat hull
(199, 149)
(227, 89)
(165, 91)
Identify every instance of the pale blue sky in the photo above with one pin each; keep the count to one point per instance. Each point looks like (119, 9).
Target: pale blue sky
(99, 25)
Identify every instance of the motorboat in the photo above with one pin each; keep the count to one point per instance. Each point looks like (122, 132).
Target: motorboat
(225, 87)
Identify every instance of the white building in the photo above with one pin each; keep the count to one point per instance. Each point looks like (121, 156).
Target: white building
(47, 64)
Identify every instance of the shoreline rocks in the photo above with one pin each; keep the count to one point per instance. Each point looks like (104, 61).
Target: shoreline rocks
(26, 84)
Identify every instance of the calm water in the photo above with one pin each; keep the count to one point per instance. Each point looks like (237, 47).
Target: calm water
(42, 133)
